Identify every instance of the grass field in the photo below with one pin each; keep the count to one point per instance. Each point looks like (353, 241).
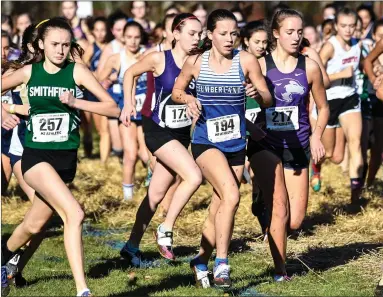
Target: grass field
(336, 253)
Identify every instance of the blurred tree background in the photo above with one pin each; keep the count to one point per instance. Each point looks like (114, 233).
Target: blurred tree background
(254, 10)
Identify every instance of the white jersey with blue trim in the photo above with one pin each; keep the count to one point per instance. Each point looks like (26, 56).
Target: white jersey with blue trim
(222, 121)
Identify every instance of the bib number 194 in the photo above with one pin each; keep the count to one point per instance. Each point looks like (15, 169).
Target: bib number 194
(223, 128)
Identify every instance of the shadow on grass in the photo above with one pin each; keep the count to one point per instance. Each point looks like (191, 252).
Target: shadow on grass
(169, 283)
(104, 268)
(326, 216)
(324, 258)
(49, 278)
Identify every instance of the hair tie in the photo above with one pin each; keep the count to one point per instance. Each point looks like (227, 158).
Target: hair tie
(184, 20)
(42, 22)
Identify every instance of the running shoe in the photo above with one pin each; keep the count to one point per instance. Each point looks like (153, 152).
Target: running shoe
(164, 243)
(316, 182)
(4, 282)
(281, 278)
(222, 276)
(19, 281)
(86, 293)
(12, 268)
(135, 259)
(201, 276)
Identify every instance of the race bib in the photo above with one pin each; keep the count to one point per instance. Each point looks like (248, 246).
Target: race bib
(223, 128)
(175, 116)
(140, 99)
(117, 89)
(7, 99)
(251, 114)
(284, 118)
(50, 127)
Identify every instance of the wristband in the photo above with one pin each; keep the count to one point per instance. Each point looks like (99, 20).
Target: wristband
(12, 109)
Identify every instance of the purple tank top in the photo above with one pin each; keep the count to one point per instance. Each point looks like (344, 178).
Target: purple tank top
(167, 113)
(287, 121)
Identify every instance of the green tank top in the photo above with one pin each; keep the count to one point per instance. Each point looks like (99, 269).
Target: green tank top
(252, 110)
(52, 124)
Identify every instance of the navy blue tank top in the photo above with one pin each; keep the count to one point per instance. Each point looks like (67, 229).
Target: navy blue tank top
(222, 121)
(167, 113)
(95, 58)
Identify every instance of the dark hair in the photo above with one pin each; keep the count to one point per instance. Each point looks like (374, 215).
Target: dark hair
(277, 20)
(345, 11)
(173, 6)
(179, 23)
(369, 9)
(26, 57)
(60, 23)
(5, 18)
(115, 17)
(250, 29)
(304, 43)
(144, 37)
(377, 24)
(214, 17)
(166, 18)
(330, 5)
(91, 22)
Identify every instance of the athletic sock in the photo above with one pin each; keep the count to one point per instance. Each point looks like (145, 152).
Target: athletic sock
(117, 152)
(219, 261)
(132, 248)
(199, 264)
(128, 191)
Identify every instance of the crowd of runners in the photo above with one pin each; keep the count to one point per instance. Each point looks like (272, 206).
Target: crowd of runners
(201, 96)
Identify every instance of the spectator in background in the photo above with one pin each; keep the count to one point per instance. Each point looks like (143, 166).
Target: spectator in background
(6, 24)
(200, 11)
(358, 28)
(366, 13)
(69, 11)
(328, 29)
(139, 10)
(329, 12)
(172, 9)
(23, 20)
(9, 51)
(240, 17)
(157, 34)
(313, 37)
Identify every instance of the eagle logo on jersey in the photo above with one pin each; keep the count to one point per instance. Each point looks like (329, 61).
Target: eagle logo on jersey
(285, 88)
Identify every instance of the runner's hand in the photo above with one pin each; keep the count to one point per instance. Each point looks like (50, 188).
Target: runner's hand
(126, 114)
(317, 149)
(194, 108)
(9, 121)
(68, 99)
(251, 91)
